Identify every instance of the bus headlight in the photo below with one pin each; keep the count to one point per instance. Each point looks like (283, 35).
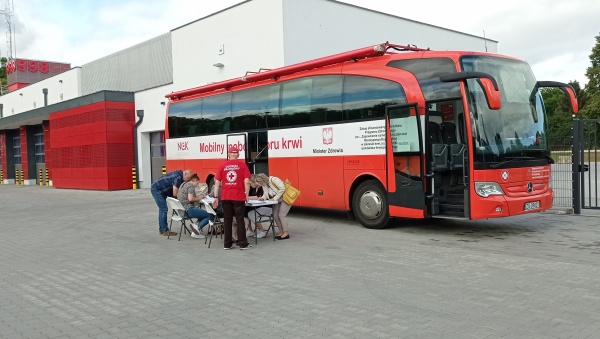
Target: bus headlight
(485, 189)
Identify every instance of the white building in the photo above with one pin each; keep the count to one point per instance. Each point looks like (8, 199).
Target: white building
(86, 127)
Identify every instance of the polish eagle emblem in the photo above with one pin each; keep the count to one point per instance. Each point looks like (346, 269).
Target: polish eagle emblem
(327, 135)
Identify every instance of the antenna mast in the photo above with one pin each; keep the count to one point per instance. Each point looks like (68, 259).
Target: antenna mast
(484, 40)
(7, 12)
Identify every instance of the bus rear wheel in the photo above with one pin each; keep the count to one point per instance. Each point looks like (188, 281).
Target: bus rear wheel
(370, 205)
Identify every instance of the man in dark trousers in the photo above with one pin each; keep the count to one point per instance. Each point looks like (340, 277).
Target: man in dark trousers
(234, 176)
(167, 186)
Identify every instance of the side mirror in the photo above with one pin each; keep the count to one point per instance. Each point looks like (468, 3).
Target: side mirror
(487, 82)
(566, 88)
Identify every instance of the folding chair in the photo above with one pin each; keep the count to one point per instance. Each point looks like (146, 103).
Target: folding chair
(260, 218)
(215, 222)
(179, 214)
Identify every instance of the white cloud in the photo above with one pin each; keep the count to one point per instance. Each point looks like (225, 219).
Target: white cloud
(554, 36)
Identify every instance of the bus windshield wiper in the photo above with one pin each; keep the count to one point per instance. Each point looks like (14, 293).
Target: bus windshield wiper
(511, 160)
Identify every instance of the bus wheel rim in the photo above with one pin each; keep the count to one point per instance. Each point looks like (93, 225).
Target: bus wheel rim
(371, 206)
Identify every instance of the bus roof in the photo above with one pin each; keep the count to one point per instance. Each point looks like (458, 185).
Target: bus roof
(375, 51)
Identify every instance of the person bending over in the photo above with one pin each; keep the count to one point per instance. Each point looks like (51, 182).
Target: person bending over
(253, 213)
(274, 188)
(167, 186)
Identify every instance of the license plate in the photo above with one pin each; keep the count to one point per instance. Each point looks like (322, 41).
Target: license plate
(532, 205)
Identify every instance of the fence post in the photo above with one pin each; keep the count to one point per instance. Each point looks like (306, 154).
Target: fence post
(164, 169)
(134, 177)
(576, 163)
(47, 178)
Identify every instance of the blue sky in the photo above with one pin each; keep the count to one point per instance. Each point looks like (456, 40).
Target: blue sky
(554, 36)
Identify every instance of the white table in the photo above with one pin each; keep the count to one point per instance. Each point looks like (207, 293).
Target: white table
(262, 217)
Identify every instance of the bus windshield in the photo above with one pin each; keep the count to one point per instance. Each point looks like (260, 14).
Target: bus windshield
(518, 130)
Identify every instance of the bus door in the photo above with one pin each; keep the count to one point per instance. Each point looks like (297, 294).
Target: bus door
(446, 163)
(258, 152)
(407, 148)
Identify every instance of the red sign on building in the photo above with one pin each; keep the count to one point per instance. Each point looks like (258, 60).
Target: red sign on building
(22, 72)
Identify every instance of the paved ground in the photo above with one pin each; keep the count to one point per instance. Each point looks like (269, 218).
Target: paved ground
(83, 264)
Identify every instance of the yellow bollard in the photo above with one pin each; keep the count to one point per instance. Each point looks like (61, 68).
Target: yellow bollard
(1, 177)
(41, 178)
(22, 178)
(17, 177)
(164, 170)
(134, 176)
(47, 178)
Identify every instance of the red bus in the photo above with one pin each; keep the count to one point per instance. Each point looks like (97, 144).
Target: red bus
(383, 131)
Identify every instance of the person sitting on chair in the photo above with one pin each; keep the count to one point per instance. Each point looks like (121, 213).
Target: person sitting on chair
(187, 196)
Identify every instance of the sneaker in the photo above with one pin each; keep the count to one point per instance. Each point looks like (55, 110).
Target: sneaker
(198, 236)
(195, 229)
(261, 234)
(229, 248)
(246, 248)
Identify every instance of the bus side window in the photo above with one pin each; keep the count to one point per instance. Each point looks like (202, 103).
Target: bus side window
(216, 111)
(366, 98)
(255, 108)
(326, 99)
(295, 102)
(184, 118)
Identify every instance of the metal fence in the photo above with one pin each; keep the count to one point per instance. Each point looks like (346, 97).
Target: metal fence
(586, 141)
(561, 150)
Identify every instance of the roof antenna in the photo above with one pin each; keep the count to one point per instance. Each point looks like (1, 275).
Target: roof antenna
(484, 40)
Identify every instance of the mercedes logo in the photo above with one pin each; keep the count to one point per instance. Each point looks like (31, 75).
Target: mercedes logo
(529, 187)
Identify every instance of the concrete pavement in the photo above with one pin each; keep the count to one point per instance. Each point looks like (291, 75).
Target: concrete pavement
(88, 264)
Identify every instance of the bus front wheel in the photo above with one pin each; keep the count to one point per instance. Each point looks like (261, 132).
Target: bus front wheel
(370, 205)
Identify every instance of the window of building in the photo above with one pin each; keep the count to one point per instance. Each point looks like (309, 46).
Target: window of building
(157, 145)
(40, 156)
(17, 150)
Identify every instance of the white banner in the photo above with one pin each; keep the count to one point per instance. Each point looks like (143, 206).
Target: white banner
(358, 138)
(205, 147)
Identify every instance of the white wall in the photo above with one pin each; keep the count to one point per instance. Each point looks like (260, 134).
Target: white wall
(311, 31)
(32, 96)
(275, 33)
(154, 120)
(251, 33)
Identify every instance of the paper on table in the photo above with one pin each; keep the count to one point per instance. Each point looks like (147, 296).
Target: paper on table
(255, 201)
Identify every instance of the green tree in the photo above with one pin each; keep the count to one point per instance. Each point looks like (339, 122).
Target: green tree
(559, 112)
(593, 72)
(591, 110)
